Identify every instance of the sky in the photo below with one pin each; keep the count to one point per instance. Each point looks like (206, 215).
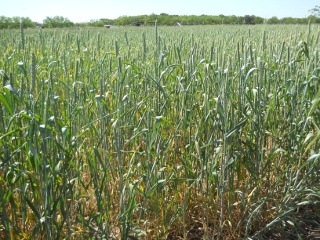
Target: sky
(86, 10)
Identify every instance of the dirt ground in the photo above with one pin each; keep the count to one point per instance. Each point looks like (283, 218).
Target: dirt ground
(306, 226)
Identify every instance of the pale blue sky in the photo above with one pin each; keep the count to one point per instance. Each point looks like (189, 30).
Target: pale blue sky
(85, 10)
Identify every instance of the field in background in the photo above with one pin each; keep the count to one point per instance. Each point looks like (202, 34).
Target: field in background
(160, 133)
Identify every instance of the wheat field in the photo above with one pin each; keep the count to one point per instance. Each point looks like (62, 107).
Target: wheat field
(203, 132)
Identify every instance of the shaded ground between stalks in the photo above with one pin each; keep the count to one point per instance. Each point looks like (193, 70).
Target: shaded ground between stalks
(306, 226)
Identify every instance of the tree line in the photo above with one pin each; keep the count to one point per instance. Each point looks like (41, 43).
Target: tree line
(162, 19)
(26, 22)
(170, 20)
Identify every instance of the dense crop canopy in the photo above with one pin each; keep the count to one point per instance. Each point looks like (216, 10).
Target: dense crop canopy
(155, 133)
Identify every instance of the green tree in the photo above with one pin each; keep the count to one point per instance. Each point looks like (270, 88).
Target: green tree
(107, 21)
(57, 22)
(235, 20)
(96, 23)
(249, 19)
(14, 22)
(313, 19)
(288, 20)
(315, 11)
(4, 22)
(273, 20)
(27, 22)
(258, 20)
